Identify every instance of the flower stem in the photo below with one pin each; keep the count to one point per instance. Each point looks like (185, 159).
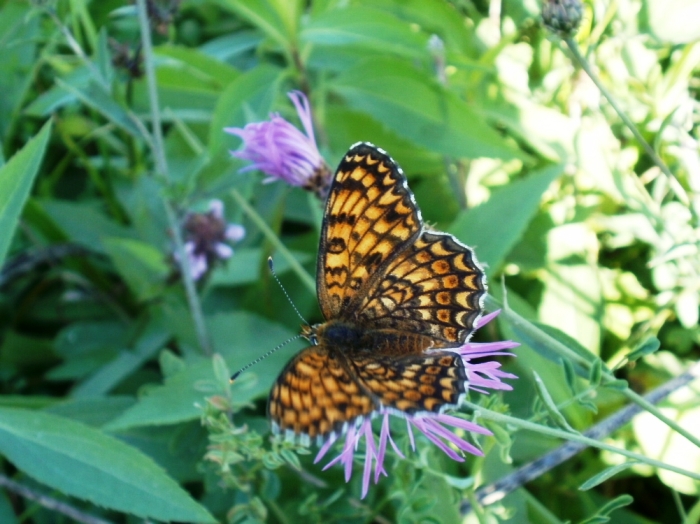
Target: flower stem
(528, 330)
(576, 437)
(673, 182)
(274, 240)
(527, 472)
(162, 173)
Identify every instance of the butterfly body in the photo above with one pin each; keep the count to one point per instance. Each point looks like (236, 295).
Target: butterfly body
(396, 296)
(355, 339)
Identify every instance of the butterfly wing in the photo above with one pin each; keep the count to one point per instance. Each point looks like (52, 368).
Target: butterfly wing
(380, 268)
(370, 214)
(428, 382)
(433, 287)
(316, 395)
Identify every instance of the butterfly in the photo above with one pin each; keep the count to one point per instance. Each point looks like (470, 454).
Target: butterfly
(396, 296)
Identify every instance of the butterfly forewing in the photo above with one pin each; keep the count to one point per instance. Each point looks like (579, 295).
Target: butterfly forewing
(370, 215)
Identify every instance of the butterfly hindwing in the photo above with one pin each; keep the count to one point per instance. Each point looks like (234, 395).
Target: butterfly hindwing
(432, 287)
(316, 394)
(426, 383)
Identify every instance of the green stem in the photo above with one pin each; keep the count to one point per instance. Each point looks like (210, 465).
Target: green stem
(576, 437)
(523, 325)
(673, 182)
(162, 173)
(274, 240)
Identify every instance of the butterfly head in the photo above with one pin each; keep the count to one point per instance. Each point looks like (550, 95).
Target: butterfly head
(310, 333)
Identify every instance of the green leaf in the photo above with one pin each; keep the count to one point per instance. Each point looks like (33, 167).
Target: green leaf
(596, 373)
(494, 227)
(278, 19)
(606, 474)
(141, 265)
(194, 66)
(539, 337)
(414, 105)
(366, 28)
(617, 503)
(16, 179)
(129, 360)
(85, 463)
(570, 375)
(620, 384)
(93, 411)
(237, 338)
(19, 37)
(7, 512)
(96, 96)
(83, 222)
(649, 346)
(549, 404)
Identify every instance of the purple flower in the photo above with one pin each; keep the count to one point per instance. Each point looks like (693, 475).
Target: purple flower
(482, 376)
(280, 150)
(206, 235)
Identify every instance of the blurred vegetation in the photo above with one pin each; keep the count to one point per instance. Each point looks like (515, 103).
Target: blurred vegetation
(115, 397)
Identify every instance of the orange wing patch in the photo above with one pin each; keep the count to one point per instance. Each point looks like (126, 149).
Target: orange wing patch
(414, 383)
(434, 288)
(317, 395)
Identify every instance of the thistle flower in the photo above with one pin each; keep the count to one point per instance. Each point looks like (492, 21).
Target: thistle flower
(206, 235)
(281, 151)
(482, 377)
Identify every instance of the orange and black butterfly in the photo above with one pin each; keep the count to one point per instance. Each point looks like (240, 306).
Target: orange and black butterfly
(398, 300)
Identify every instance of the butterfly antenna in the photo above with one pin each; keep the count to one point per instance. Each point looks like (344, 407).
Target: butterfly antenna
(272, 270)
(237, 373)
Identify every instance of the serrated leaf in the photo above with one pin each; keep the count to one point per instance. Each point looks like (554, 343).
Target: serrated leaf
(504, 217)
(85, 463)
(16, 180)
(606, 474)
